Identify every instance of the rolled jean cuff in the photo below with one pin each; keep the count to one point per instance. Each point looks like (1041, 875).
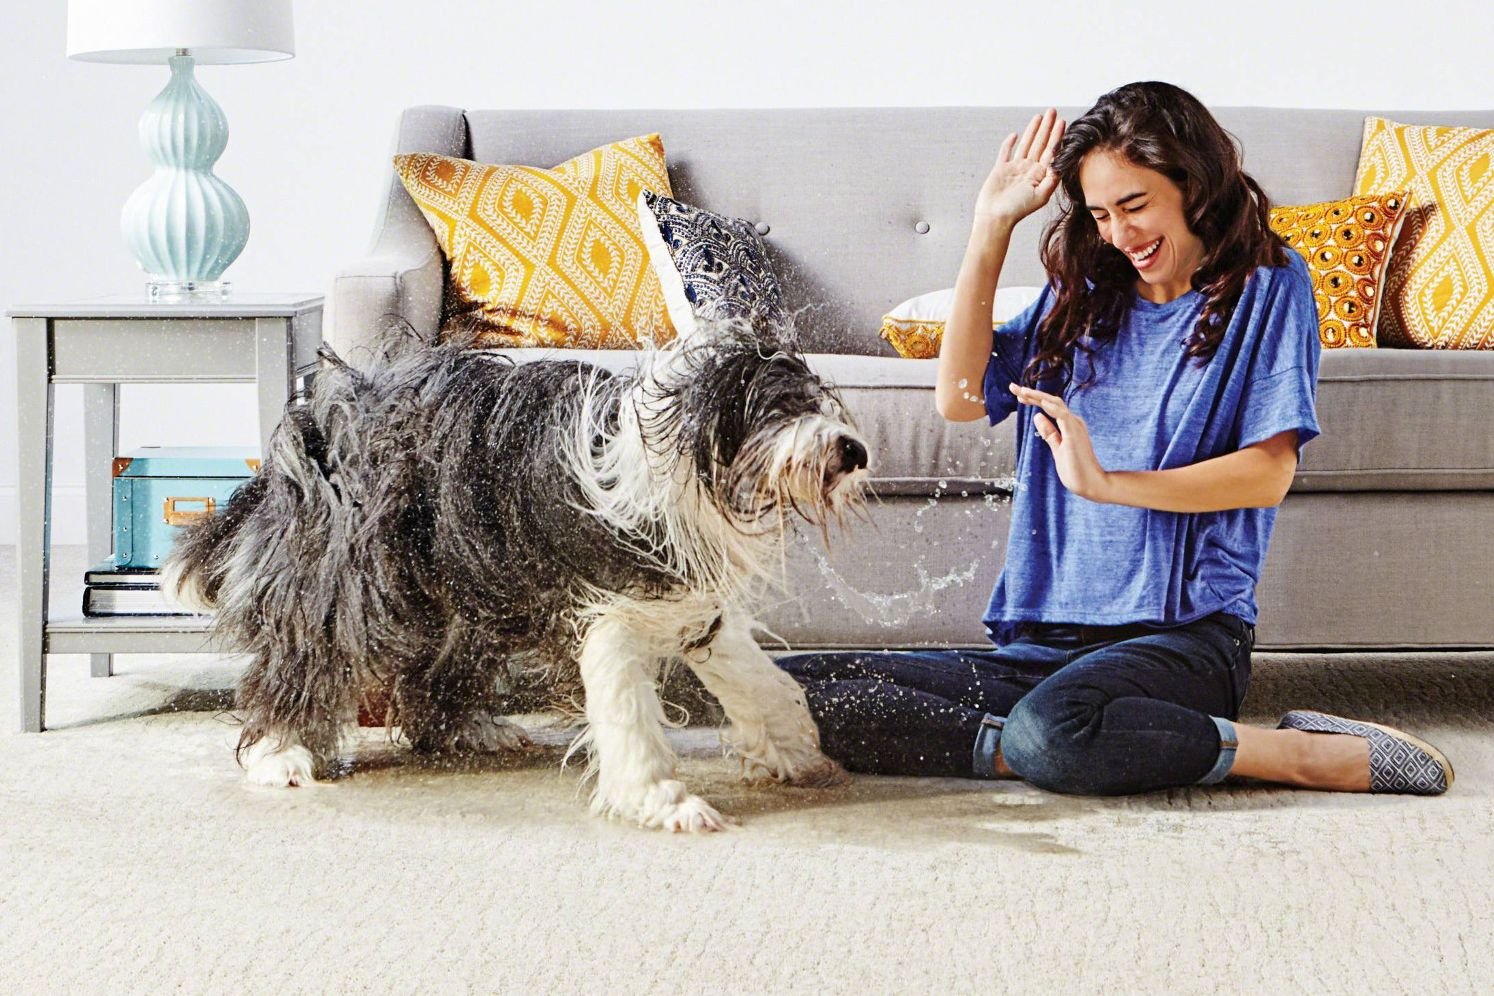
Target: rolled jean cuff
(1228, 741)
(987, 740)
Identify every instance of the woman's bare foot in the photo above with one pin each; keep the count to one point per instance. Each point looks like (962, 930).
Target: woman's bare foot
(1334, 761)
(1330, 761)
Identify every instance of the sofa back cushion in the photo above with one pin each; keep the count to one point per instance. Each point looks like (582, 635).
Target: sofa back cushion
(868, 206)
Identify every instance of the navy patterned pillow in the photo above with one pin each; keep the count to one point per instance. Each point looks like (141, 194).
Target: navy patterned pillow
(711, 266)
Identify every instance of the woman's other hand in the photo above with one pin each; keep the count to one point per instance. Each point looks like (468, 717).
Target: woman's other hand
(1068, 438)
(1022, 179)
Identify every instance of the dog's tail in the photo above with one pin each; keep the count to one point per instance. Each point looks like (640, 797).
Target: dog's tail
(206, 553)
(193, 573)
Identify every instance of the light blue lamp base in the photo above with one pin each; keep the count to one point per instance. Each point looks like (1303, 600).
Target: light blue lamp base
(184, 225)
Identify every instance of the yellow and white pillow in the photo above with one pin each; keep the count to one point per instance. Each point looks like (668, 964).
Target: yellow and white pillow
(1439, 289)
(1347, 246)
(547, 257)
(915, 328)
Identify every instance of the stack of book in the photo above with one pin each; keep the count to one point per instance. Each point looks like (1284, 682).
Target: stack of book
(126, 591)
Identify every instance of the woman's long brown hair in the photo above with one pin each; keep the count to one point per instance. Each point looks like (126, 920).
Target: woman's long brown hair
(1164, 128)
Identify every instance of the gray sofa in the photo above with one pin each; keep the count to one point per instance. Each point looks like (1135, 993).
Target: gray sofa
(1385, 541)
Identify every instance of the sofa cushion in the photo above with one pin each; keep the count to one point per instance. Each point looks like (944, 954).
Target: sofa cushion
(1439, 291)
(710, 265)
(858, 222)
(915, 328)
(546, 257)
(1347, 246)
(1402, 420)
(1393, 420)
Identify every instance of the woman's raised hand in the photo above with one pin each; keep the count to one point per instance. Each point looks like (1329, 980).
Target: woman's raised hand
(1022, 179)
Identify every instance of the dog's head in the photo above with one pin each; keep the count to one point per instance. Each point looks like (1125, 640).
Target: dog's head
(759, 430)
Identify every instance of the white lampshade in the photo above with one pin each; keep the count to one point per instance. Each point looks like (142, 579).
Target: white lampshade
(152, 31)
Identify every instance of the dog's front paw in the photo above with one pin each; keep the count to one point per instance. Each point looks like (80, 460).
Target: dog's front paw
(667, 806)
(822, 773)
(803, 766)
(279, 767)
(693, 815)
(485, 734)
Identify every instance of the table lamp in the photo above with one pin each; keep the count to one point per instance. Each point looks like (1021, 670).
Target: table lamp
(184, 225)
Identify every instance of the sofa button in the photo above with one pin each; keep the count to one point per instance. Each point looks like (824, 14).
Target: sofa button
(922, 228)
(762, 228)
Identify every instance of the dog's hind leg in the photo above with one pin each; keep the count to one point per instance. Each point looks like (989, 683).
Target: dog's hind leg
(632, 759)
(771, 729)
(292, 720)
(439, 721)
(453, 704)
(278, 760)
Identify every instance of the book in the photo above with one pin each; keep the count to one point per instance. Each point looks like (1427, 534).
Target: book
(130, 600)
(107, 573)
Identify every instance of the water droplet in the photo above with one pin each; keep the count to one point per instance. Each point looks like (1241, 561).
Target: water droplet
(897, 609)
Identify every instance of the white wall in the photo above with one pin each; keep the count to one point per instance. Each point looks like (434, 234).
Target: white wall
(310, 136)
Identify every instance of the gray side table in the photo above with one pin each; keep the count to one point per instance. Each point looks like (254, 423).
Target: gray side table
(266, 339)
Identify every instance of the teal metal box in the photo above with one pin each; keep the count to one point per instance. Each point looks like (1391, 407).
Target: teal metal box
(160, 489)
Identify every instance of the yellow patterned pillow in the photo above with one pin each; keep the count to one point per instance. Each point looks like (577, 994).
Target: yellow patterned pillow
(547, 257)
(1439, 290)
(1346, 245)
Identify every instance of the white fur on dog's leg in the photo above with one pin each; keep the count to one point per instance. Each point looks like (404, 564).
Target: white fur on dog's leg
(771, 729)
(278, 762)
(632, 759)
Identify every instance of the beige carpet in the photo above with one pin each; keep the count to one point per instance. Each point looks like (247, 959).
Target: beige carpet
(133, 859)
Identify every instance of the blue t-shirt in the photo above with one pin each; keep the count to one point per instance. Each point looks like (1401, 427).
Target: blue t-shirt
(1151, 407)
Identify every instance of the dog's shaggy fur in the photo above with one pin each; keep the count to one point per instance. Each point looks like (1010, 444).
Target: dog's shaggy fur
(450, 526)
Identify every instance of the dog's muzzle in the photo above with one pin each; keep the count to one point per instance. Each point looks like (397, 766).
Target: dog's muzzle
(848, 455)
(851, 454)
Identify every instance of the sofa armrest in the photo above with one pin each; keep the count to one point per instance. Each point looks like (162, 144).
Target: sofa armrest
(402, 276)
(400, 282)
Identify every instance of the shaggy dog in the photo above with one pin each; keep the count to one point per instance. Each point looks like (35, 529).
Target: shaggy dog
(449, 526)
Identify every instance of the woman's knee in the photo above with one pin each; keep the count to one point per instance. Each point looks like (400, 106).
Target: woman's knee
(1049, 741)
(805, 668)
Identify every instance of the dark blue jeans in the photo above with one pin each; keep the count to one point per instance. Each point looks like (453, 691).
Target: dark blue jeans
(1087, 710)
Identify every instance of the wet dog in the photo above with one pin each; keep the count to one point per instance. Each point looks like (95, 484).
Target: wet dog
(448, 526)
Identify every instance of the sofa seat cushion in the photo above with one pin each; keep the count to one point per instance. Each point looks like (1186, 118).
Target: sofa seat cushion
(1402, 420)
(1393, 420)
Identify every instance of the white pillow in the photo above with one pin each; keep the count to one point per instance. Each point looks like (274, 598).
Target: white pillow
(916, 327)
(676, 302)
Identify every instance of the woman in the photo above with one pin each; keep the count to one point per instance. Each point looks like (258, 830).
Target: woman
(1164, 386)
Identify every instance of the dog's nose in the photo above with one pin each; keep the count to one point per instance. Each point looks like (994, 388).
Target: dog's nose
(852, 454)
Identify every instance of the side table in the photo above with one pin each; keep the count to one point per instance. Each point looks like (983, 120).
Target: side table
(266, 339)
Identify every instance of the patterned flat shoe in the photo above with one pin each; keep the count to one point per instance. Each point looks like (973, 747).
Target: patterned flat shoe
(1398, 761)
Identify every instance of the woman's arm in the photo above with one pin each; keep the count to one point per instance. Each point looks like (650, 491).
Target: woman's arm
(1021, 182)
(1255, 476)
(966, 347)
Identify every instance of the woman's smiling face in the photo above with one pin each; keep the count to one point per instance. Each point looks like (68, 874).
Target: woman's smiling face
(1140, 212)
